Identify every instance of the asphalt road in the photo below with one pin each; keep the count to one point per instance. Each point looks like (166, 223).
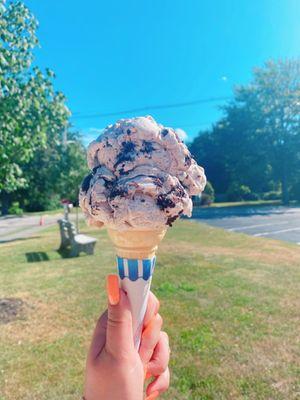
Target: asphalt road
(20, 228)
(282, 223)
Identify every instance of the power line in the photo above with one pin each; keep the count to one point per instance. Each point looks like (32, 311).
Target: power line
(153, 107)
(192, 125)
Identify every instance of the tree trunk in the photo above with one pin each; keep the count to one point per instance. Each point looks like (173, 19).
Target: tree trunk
(5, 199)
(284, 186)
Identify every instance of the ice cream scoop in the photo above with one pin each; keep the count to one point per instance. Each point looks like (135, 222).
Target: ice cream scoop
(142, 179)
(142, 176)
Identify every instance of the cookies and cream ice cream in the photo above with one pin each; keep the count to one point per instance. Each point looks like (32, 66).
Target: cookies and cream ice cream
(142, 177)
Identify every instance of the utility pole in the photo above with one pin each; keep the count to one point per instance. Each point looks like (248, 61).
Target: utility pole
(64, 139)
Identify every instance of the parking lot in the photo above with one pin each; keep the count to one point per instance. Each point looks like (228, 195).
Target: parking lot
(282, 223)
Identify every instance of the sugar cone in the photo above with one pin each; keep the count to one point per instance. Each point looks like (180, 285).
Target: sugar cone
(136, 259)
(136, 244)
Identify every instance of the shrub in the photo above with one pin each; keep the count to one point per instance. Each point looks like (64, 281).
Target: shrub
(209, 190)
(295, 191)
(273, 195)
(43, 203)
(251, 196)
(206, 199)
(221, 198)
(15, 209)
(196, 201)
(238, 192)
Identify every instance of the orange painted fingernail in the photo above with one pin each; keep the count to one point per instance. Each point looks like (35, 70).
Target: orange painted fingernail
(113, 291)
(153, 395)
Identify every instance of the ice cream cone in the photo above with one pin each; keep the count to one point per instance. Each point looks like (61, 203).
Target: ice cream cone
(136, 261)
(136, 244)
(142, 176)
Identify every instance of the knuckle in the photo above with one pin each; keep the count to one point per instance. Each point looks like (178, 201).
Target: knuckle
(145, 356)
(148, 341)
(158, 366)
(116, 322)
(148, 344)
(126, 358)
(119, 317)
(160, 369)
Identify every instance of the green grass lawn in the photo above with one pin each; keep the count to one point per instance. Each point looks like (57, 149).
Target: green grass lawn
(230, 304)
(251, 203)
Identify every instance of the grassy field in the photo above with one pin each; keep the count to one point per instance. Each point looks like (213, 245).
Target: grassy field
(255, 203)
(230, 305)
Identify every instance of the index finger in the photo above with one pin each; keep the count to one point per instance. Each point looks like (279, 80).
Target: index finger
(99, 337)
(150, 338)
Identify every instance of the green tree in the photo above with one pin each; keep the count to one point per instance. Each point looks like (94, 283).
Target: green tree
(55, 172)
(272, 100)
(30, 109)
(256, 143)
(231, 154)
(208, 151)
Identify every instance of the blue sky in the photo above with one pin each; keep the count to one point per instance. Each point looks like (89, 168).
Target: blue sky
(118, 55)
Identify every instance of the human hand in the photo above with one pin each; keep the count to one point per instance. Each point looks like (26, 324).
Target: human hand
(115, 370)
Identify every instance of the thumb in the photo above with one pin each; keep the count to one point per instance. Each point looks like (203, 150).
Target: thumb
(119, 336)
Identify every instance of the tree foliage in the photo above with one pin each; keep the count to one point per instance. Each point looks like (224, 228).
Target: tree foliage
(256, 144)
(37, 166)
(54, 173)
(30, 109)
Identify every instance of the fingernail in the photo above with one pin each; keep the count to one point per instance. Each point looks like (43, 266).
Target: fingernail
(153, 395)
(148, 331)
(112, 287)
(148, 375)
(157, 306)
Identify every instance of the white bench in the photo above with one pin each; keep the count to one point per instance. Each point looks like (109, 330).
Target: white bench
(77, 241)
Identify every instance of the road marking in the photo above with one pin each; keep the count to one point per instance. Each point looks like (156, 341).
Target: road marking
(275, 232)
(256, 226)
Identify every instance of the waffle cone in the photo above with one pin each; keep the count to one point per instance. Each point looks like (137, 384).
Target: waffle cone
(133, 244)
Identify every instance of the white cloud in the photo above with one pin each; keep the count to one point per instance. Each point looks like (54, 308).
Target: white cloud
(94, 131)
(181, 133)
(90, 134)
